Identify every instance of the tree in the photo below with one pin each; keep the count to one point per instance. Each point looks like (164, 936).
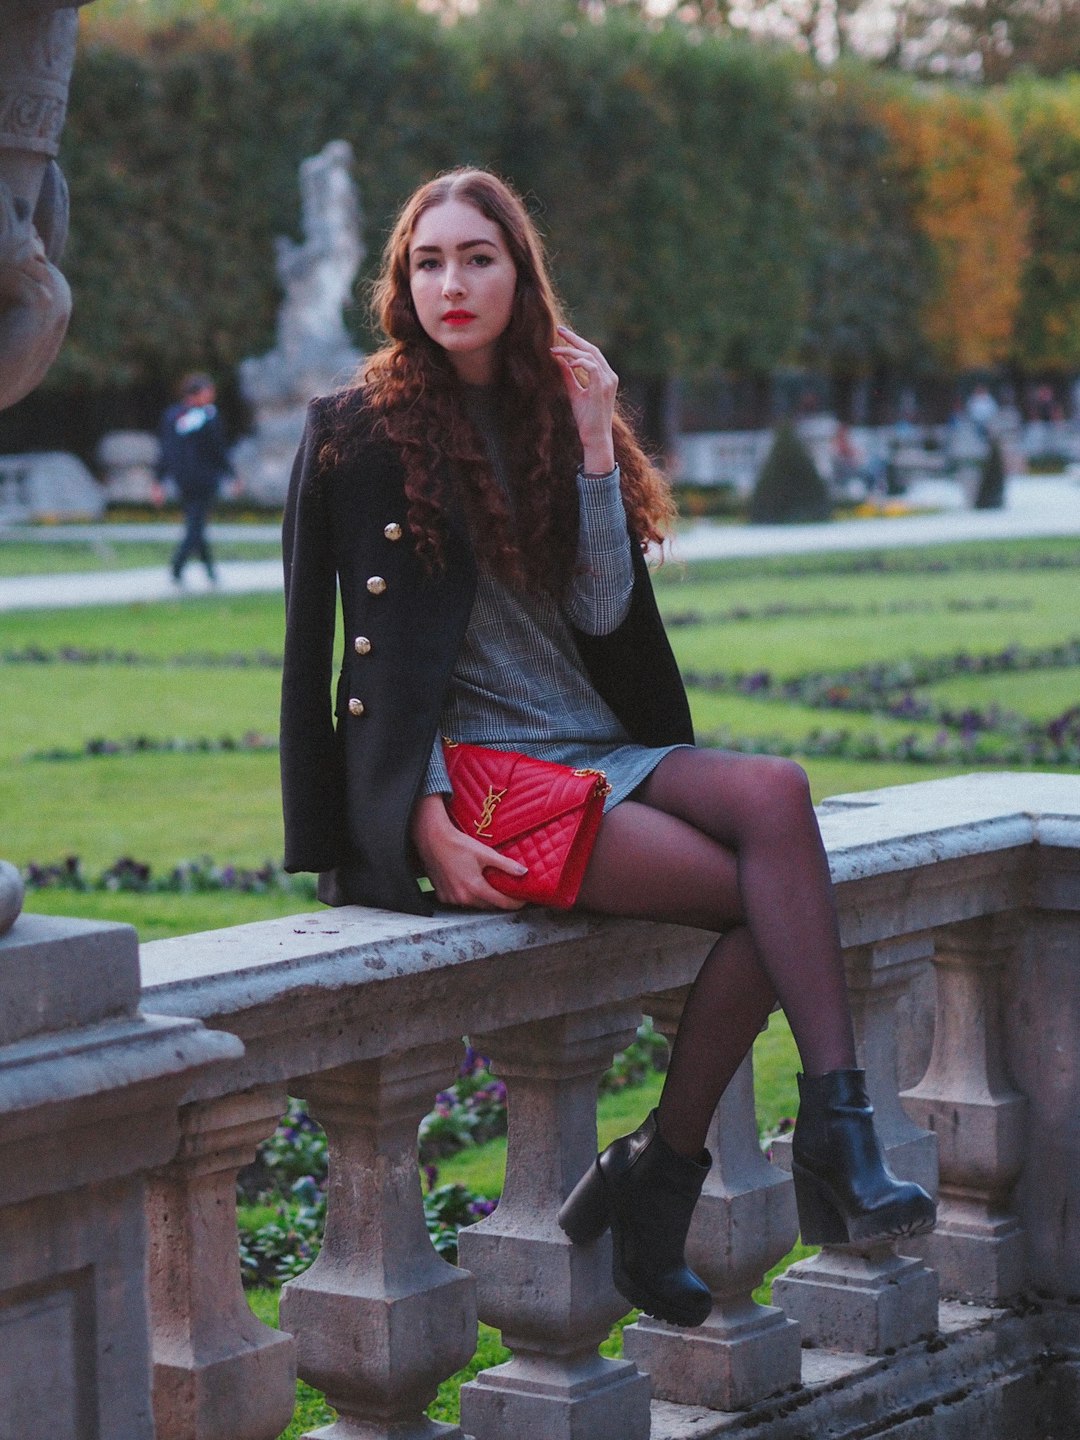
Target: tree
(989, 40)
(870, 262)
(1046, 122)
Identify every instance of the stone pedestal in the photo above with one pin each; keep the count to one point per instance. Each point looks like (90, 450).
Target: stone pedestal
(744, 1223)
(554, 1302)
(89, 1090)
(48, 486)
(380, 1319)
(862, 1298)
(867, 1298)
(128, 461)
(967, 1099)
(219, 1373)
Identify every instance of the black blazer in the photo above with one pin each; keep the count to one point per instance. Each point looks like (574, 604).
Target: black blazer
(352, 764)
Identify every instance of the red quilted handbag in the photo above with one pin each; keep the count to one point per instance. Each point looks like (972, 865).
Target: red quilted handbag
(545, 816)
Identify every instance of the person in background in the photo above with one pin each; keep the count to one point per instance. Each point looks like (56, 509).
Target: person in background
(982, 411)
(194, 457)
(852, 462)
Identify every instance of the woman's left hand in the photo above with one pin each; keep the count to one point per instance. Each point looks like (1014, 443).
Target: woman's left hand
(591, 385)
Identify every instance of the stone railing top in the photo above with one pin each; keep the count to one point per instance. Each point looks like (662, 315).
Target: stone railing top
(875, 832)
(316, 990)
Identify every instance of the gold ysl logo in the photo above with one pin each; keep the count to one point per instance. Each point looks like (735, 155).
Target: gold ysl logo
(488, 812)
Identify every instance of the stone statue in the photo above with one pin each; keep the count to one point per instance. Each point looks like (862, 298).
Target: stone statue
(37, 50)
(318, 275)
(313, 351)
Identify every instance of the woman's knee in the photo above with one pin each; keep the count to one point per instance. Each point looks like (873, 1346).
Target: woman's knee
(782, 785)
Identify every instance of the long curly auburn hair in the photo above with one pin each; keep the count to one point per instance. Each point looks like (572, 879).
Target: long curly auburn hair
(411, 388)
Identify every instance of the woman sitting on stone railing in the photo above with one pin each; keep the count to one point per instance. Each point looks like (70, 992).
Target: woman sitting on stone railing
(492, 594)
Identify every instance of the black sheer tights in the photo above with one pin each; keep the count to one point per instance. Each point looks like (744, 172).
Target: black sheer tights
(730, 843)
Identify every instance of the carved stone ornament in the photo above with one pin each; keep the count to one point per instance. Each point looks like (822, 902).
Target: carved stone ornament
(11, 896)
(35, 301)
(37, 51)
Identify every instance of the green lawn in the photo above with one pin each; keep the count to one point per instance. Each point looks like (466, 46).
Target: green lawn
(220, 625)
(204, 670)
(43, 557)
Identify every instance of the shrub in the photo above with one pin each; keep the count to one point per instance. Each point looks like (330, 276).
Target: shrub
(788, 488)
(991, 492)
(698, 502)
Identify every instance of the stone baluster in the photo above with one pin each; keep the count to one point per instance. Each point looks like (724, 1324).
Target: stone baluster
(380, 1319)
(554, 1302)
(744, 1223)
(868, 1298)
(967, 1099)
(219, 1373)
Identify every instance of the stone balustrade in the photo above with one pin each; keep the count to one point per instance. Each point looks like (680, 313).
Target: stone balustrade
(958, 903)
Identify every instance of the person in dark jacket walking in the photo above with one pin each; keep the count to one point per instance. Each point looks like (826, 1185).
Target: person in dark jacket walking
(482, 504)
(195, 458)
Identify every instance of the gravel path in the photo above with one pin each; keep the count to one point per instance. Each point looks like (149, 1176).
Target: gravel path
(1035, 506)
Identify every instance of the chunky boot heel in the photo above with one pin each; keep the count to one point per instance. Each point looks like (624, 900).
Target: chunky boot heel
(844, 1188)
(820, 1223)
(646, 1192)
(584, 1213)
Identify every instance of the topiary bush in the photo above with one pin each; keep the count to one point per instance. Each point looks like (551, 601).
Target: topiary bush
(788, 489)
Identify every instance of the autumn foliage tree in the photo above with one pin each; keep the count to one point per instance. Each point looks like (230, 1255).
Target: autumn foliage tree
(961, 162)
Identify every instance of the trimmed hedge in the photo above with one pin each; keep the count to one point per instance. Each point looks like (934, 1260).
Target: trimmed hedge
(708, 203)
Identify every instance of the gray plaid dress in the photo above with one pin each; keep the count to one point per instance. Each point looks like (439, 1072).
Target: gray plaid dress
(519, 683)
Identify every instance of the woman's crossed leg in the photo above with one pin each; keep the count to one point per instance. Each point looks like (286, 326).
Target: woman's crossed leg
(730, 843)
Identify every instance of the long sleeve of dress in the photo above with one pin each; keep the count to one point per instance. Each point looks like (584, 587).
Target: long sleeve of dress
(437, 777)
(599, 596)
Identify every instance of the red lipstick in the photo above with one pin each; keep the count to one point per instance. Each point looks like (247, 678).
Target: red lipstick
(458, 317)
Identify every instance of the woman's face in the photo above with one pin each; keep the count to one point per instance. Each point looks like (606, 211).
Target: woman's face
(462, 281)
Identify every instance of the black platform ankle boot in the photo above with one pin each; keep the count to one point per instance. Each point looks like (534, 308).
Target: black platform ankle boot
(843, 1186)
(646, 1192)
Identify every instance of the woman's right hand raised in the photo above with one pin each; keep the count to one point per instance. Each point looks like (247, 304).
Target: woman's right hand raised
(455, 863)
